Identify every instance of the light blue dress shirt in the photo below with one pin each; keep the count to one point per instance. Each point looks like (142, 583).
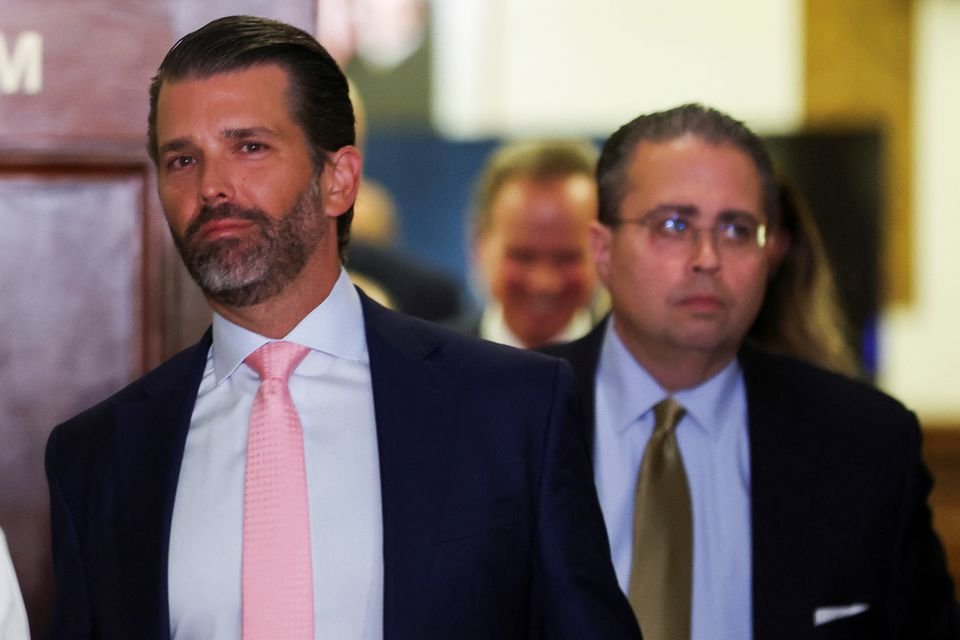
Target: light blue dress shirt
(333, 394)
(714, 444)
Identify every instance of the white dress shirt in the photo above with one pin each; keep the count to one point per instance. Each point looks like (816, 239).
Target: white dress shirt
(493, 327)
(714, 445)
(13, 617)
(334, 398)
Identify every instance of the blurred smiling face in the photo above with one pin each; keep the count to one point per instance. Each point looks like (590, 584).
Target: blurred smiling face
(535, 257)
(237, 183)
(676, 286)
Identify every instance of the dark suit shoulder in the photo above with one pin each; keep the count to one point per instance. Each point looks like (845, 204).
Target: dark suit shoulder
(467, 323)
(820, 419)
(438, 342)
(181, 368)
(583, 353)
(808, 389)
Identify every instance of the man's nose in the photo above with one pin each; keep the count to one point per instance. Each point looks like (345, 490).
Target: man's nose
(215, 183)
(706, 254)
(545, 279)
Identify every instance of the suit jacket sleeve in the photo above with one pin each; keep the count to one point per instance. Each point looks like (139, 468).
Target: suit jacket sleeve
(575, 593)
(925, 603)
(71, 607)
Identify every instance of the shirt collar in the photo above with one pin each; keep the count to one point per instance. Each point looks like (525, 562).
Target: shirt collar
(334, 327)
(493, 326)
(632, 392)
(710, 404)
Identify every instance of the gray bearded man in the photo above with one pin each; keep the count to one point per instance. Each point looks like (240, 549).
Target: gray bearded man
(317, 466)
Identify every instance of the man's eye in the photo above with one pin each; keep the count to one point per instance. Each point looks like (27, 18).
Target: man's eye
(672, 226)
(737, 231)
(179, 162)
(253, 147)
(567, 258)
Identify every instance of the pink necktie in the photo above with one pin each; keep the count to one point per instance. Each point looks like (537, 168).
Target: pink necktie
(277, 575)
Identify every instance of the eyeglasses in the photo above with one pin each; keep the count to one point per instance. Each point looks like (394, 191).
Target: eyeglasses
(735, 234)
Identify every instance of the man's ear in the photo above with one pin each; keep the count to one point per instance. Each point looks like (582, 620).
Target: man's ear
(601, 239)
(340, 180)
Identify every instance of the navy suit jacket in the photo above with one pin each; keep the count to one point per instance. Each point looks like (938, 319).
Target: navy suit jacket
(491, 528)
(838, 503)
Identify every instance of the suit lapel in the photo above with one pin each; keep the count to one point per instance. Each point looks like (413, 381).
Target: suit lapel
(150, 439)
(584, 356)
(783, 481)
(415, 409)
(783, 490)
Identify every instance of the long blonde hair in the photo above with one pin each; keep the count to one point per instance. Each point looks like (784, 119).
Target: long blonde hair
(801, 315)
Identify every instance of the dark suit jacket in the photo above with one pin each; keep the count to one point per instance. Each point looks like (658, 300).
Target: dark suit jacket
(838, 503)
(491, 527)
(467, 323)
(416, 288)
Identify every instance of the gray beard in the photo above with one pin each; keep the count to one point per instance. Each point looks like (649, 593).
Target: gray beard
(240, 272)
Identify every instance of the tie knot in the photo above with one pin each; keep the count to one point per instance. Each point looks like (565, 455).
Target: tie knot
(667, 414)
(277, 360)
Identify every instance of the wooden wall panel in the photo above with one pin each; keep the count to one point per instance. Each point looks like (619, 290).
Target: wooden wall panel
(74, 290)
(97, 60)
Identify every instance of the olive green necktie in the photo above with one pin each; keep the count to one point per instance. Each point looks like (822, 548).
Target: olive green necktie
(662, 567)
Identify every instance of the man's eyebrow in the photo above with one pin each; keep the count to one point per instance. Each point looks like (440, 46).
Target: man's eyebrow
(669, 207)
(242, 133)
(730, 214)
(237, 133)
(177, 144)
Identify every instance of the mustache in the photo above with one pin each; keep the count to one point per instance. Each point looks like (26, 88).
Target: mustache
(222, 212)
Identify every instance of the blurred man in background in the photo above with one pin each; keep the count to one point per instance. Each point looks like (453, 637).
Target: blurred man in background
(534, 205)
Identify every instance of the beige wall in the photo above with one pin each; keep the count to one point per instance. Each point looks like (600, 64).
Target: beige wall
(543, 66)
(921, 341)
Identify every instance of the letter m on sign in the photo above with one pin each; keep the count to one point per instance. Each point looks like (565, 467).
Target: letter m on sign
(21, 69)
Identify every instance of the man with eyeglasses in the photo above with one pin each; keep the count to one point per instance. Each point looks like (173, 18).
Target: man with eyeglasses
(745, 495)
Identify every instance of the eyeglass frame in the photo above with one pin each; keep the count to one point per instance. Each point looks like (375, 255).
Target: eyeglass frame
(682, 214)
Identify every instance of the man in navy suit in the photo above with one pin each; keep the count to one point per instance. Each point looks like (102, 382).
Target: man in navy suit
(806, 490)
(449, 493)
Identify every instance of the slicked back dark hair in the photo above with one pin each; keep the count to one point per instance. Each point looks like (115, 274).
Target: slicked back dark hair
(318, 95)
(705, 123)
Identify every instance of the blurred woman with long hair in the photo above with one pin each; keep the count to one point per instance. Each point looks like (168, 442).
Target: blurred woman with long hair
(801, 315)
